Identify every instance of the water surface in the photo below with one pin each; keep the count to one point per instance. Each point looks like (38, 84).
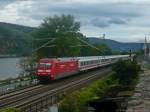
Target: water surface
(9, 67)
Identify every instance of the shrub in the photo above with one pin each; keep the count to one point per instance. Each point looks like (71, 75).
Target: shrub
(126, 71)
(11, 110)
(77, 101)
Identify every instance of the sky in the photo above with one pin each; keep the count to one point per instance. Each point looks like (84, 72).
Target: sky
(121, 20)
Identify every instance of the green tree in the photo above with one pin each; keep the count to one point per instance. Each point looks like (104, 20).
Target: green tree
(58, 36)
(126, 71)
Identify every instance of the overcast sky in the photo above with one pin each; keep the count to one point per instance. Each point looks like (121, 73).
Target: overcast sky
(122, 20)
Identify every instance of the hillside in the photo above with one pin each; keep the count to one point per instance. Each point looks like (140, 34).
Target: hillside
(14, 39)
(115, 45)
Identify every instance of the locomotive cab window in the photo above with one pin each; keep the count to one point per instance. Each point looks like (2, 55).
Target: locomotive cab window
(48, 65)
(44, 65)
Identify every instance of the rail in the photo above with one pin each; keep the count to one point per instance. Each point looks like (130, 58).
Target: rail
(40, 101)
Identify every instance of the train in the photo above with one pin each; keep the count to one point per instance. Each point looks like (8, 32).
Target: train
(57, 68)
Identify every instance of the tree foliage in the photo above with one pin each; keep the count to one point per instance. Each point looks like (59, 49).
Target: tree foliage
(78, 100)
(15, 39)
(59, 36)
(61, 32)
(126, 71)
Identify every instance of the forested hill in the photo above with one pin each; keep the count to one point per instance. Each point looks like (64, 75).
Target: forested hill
(117, 46)
(21, 28)
(14, 39)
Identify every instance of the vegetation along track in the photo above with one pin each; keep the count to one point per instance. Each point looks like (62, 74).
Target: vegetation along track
(15, 100)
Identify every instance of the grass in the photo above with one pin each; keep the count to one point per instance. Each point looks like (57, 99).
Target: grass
(77, 101)
(10, 110)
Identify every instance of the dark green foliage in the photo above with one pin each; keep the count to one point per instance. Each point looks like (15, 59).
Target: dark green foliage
(14, 39)
(17, 39)
(11, 110)
(78, 101)
(62, 32)
(126, 71)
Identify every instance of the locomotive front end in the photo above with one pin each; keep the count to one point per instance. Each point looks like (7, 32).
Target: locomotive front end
(44, 70)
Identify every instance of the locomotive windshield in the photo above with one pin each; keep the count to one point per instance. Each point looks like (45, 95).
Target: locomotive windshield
(44, 65)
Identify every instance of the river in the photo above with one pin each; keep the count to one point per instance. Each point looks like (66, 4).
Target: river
(9, 68)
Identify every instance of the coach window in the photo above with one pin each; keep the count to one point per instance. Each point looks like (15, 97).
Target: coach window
(86, 63)
(95, 61)
(82, 63)
(90, 62)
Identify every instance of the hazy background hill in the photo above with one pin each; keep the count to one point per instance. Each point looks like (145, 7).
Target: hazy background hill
(14, 39)
(117, 46)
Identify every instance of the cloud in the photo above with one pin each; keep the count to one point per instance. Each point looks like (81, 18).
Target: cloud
(113, 17)
(4, 3)
(104, 13)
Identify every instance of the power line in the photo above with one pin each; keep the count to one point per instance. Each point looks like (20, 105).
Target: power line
(78, 45)
(51, 46)
(89, 44)
(52, 39)
(44, 44)
(44, 39)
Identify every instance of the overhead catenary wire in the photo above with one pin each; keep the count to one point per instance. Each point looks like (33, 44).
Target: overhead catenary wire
(78, 45)
(44, 45)
(89, 44)
(52, 39)
(43, 39)
(51, 46)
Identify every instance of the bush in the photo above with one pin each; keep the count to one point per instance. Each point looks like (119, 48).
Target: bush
(126, 71)
(11, 110)
(77, 101)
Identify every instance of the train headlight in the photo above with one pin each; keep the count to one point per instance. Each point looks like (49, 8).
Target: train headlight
(48, 70)
(40, 70)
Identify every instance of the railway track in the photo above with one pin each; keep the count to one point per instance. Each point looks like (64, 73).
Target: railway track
(30, 95)
(19, 92)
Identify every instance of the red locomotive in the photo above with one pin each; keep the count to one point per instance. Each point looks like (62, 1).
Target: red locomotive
(56, 68)
(52, 69)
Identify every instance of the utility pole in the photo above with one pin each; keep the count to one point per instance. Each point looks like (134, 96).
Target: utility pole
(104, 36)
(145, 47)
